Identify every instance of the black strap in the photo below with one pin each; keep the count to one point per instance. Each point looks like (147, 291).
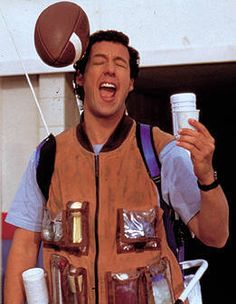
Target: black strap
(45, 168)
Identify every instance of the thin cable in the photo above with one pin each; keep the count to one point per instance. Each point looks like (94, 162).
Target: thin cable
(26, 75)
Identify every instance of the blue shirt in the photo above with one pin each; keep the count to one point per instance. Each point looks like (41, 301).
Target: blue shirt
(179, 185)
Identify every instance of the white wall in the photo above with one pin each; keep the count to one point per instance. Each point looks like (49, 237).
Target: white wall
(21, 126)
(164, 31)
(57, 102)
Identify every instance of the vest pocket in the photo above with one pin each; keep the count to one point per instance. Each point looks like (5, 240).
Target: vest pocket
(128, 288)
(69, 229)
(160, 276)
(52, 230)
(69, 284)
(77, 278)
(137, 230)
(58, 265)
(144, 285)
(77, 230)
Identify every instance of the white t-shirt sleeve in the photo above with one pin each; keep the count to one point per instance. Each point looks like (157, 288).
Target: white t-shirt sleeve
(178, 181)
(26, 210)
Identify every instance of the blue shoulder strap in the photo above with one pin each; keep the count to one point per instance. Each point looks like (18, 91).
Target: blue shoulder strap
(153, 165)
(149, 153)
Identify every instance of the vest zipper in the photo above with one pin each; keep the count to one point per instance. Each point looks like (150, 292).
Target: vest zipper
(96, 229)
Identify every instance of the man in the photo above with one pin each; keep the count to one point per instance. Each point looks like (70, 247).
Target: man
(104, 239)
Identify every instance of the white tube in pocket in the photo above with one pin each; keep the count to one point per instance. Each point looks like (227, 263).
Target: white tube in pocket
(35, 286)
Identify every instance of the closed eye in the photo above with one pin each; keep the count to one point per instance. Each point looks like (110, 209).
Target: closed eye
(121, 63)
(98, 59)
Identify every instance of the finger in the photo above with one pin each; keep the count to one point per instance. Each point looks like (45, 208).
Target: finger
(193, 138)
(199, 127)
(188, 145)
(188, 131)
(201, 145)
(204, 137)
(194, 151)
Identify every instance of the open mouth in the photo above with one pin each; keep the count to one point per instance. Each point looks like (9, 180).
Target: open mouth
(107, 90)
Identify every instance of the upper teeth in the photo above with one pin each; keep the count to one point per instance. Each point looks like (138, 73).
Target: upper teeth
(107, 85)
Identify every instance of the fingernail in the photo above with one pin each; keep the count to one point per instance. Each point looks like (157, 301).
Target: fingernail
(177, 136)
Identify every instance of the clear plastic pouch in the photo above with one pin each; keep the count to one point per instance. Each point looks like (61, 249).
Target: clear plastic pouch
(69, 229)
(140, 286)
(77, 226)
(52, 230)
(127, 288)
(58, 265)
(161, 282)
(137, 230)
(69, 284)
(77, 281)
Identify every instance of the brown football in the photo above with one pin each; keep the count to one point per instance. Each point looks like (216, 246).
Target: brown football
(61, 34)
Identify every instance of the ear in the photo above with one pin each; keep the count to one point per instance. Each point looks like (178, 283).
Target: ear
(131, 85)
(79, 79)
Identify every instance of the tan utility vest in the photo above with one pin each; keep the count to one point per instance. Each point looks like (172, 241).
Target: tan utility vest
(109, 188)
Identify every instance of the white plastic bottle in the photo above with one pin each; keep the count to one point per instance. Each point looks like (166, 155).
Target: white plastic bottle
(35, 286)
(181, 102)
(161, 290)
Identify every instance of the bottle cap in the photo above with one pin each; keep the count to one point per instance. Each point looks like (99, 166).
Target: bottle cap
(158, 277)
(182, 97)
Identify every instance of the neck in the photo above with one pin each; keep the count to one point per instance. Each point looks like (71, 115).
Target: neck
(99, 129)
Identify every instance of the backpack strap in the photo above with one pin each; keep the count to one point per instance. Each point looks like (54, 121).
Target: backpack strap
(45, 167)
(150, 157)
(173, 226)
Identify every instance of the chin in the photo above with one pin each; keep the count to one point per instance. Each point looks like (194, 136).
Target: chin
(110, 113)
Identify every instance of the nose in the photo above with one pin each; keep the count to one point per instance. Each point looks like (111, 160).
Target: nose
(109, 68)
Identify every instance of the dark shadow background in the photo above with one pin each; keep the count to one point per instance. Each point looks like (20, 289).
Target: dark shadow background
(215, 87)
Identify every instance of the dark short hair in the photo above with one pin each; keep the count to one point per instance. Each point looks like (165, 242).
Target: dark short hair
(112, 36)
